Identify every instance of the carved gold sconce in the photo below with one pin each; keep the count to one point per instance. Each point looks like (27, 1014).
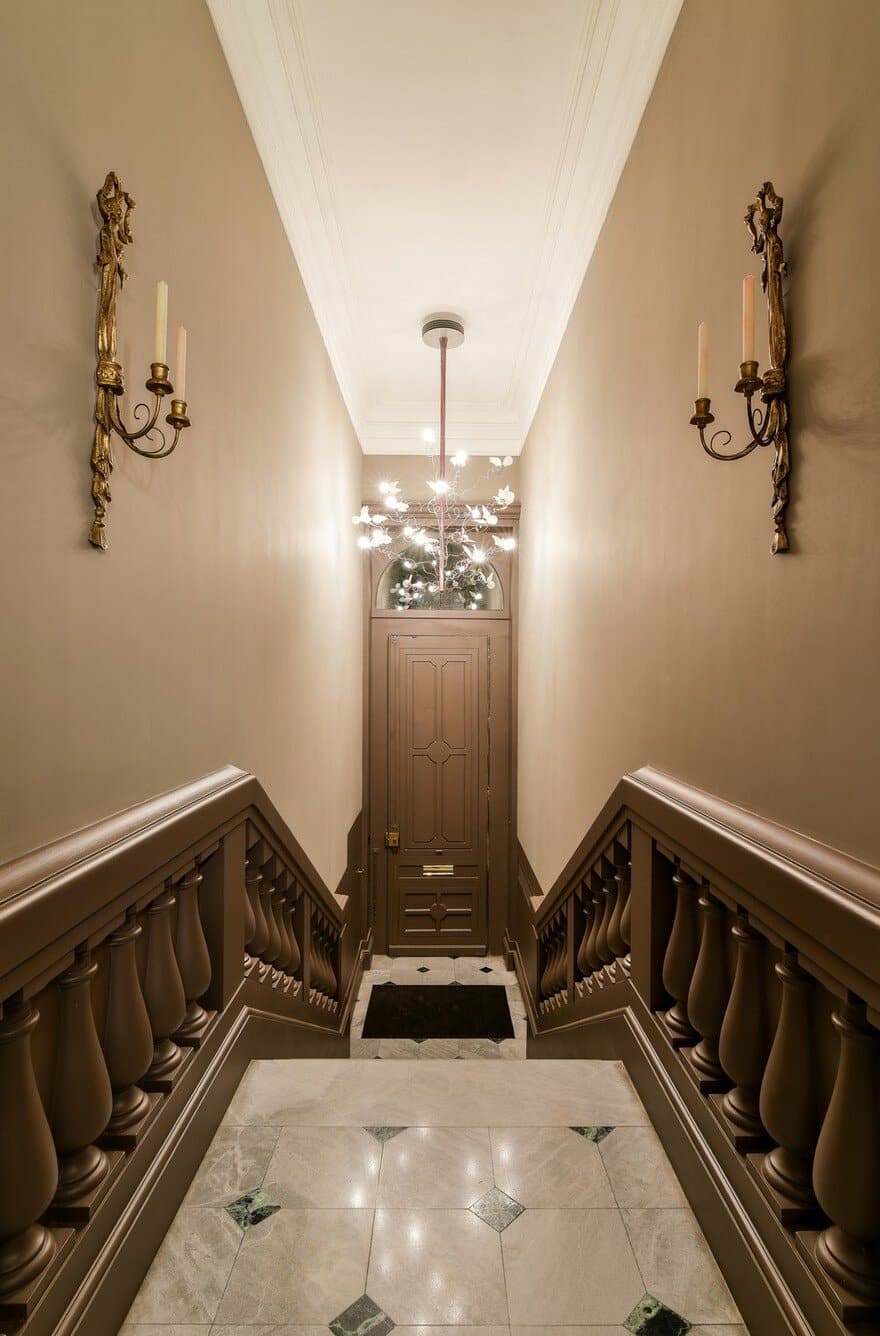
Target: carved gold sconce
(768, 425)
(116, 206)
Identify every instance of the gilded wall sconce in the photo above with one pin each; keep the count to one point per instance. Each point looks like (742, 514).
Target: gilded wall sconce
(767, 425)
(116, 207)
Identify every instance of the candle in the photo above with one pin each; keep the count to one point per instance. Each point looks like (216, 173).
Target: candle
(161, 321)
(702, 360)
(180, 365)
(749, 318)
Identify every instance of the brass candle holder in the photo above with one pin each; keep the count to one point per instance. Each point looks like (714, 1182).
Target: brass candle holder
(116, 206)
(767, 425)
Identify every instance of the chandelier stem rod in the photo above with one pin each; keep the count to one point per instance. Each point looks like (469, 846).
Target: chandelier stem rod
(442, 552)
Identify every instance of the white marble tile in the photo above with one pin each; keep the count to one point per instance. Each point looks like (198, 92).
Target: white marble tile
(438, 1048)
(565, 1331)
(678, 1267)
(513, 1048)
(152, 1329)
(337, 1092)
(436, 1267)
(436, 1166)
(561, 1265)
(639, 1171)
(245, 1329)
(399, 1048)
(298, 1266)
(478, 1048)
(549, 1167)
(459, 1331)
(364, 1048)
(324, 1166)
(234, 1163)
(190, 1270)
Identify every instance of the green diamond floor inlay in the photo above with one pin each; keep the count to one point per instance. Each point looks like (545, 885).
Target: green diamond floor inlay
(384, 1133)
(252, 1208)
(650, 1317)
(362, 1318)
(497, 1209)
(593, 1133)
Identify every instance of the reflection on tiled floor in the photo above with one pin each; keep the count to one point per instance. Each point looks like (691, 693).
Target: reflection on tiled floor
(441, 971)
(500, 1198)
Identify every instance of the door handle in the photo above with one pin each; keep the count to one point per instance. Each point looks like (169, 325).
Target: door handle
(392, 838)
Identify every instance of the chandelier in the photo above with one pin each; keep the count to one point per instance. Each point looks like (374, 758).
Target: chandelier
(447, 542)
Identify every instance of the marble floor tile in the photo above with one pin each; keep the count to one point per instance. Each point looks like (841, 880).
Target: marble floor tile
(438, 1048)
(548, 1167)
(299, 1266)
(436, 1166)
(252, 1208)
(565, 1331)
(459, 1331)
(189, 1272)
(398, 1048)
(678, 1267)
(273, 1329)
(362, 1318)
(718, 1331)
(497, 1209)
(561, 1265)
(478, 1048)
(364, 1048)
(639, 1171)
(513, 1048)
(324, 1166)
(152, 1329)
(235, 1162)
(436, 1267)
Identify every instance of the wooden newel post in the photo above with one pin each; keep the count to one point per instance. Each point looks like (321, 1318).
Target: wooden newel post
(28, 1164)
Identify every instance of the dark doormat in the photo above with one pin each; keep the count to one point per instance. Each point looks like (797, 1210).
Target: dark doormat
(428, 1011)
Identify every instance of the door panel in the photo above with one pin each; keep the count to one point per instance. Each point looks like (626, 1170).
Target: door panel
(438, 713)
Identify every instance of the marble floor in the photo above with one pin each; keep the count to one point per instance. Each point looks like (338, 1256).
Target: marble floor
(494, 1197)
(442, 971)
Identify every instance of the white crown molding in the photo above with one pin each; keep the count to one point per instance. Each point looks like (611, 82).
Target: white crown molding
(620, 48)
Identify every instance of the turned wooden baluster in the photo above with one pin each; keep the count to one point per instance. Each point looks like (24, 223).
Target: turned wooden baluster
(604, 948)
(289, 910)
(163, 994)
(193, 958)
(680, 959)
(81, 1100)
(846, 1169)
(28, 1164)
(331, 942)
(597, 898)
(252, 879)
(583, 955)
(546, 972)
(128, 1037)
(743, 1044)
(250, 922)
(616, 944)
(558, 980)
(273, 942)
(626, 916)
(278, 892)
(789, 1103)
(316, 960)
(707, 996)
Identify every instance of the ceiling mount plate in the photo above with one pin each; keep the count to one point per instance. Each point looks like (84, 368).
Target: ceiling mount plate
(436, 326)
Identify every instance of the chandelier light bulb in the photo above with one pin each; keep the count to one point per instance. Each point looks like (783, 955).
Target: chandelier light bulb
(459, 459)
(428, 435)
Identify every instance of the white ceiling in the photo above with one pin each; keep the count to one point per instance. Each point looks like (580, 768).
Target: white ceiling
(453, 155)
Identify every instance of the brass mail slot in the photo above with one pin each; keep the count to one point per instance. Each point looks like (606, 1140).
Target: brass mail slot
(438, 869)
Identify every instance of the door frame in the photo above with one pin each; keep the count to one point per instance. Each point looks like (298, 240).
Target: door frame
(499, 628)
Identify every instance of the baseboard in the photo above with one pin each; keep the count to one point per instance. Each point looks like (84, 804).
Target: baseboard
(712, 1174)
(114, 1277)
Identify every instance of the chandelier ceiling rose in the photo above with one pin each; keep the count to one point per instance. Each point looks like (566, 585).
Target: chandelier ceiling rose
(440, 324)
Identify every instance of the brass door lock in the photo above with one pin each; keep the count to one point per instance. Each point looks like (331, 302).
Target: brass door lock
(392, 838)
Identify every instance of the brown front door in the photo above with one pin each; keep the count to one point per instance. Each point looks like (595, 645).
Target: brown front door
(438, 790)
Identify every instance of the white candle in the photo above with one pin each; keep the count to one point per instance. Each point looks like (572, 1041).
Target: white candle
(161, 341)
(749, 318)
(180, 365)
(702, 360)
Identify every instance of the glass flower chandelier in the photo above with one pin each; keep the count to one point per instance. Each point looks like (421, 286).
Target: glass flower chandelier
(447, 556)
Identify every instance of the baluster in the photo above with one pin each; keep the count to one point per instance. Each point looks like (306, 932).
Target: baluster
(193, 959)
(318, 971)
(28, 1164)
(557, 977)
(250, 922)
(282, 960)
(789, 1103)
(609, 892)
(330, 943)
(547, 947)
(598, 901)
(128, 1037)
(163, 994)
(81, 1100)
(707, 996)
(680, 959)
(273, 941)
(846, 1170)
(583, 955)
(252, 879)
(626, 916)
(744, 1043)
(616, 944)
(289, 910)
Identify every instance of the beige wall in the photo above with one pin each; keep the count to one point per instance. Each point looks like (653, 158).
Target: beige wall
(223, 624)
(655, 625)
(479, 480)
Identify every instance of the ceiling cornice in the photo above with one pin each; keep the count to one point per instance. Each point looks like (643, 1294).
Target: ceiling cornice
(620, 49)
